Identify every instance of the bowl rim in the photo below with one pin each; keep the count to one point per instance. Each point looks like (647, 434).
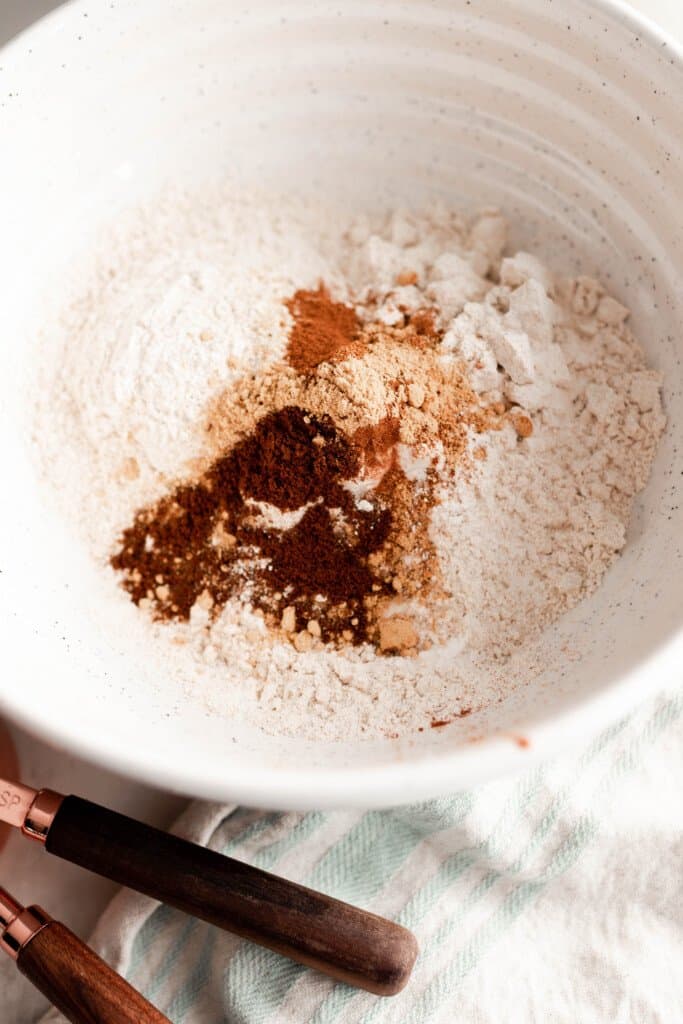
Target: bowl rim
(386, 785)
(398, 782)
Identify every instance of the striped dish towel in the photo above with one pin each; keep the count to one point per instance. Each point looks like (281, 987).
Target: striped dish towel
(554, 897)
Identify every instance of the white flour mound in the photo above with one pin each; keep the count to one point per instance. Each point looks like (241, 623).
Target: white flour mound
(187, 296)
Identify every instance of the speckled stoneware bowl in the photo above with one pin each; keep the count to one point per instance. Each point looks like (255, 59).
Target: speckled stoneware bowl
(568, 114)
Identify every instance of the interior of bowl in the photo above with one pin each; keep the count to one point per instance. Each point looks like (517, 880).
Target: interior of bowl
(568, 120)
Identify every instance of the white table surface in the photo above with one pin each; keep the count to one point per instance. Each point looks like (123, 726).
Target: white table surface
(67, 892)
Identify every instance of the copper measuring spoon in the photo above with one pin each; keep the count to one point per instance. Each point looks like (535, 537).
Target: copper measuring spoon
(347, 943)
(67, 972)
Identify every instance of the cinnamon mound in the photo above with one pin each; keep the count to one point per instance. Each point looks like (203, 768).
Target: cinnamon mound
(324, 331)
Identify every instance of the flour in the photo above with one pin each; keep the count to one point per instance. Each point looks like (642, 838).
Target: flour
(188, 297)
(180, 296)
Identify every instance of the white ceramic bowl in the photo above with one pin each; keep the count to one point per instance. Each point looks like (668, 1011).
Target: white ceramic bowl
(567, 114)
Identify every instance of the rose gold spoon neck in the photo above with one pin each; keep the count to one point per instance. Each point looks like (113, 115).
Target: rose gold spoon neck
(18, 925)
(9, 909)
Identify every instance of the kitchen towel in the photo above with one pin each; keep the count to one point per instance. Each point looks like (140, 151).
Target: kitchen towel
(552, 897)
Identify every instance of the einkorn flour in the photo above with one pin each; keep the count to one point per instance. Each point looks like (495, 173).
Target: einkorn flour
(174, 350)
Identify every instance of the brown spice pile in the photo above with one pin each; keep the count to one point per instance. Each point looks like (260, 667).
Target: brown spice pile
(206, 541)
(317, 509)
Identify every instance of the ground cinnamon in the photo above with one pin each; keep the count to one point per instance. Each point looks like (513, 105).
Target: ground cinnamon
(323, 331)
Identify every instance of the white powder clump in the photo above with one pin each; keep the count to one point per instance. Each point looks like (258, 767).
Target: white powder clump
(188, 295)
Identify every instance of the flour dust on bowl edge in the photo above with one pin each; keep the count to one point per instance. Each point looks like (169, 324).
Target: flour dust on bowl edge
(567, 119)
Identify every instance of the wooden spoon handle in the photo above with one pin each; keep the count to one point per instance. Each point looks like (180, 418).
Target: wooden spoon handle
(81, 985)
(349, 944)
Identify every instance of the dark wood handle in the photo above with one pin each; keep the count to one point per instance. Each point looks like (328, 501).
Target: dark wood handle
(349, 944)
(79, 983)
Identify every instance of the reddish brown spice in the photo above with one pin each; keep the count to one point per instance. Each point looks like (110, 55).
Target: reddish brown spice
(204, 540)
(426, 333)
(323, 331)
(437, 723)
